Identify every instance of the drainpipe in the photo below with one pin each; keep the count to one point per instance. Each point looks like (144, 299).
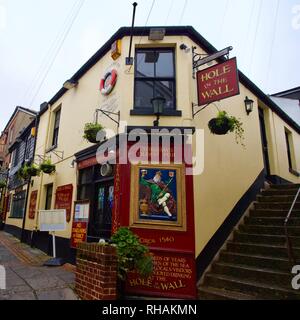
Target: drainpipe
(29, 182)
(41, 179)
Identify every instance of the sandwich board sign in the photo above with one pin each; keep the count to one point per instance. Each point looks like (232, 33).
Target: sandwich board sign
(53, 221)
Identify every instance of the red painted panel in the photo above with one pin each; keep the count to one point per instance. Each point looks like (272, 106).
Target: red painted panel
(174, 251)
(173, 277)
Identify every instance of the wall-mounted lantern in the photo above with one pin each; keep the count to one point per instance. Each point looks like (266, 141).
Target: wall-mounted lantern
(249, 104)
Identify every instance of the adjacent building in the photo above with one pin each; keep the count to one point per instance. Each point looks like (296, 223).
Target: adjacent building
(188, 219)
(20, 119)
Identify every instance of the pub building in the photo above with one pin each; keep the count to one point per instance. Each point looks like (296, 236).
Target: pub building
(184, 218)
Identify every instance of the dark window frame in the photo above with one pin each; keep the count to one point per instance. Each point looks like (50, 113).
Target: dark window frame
(49, 196)
(146, 110)
(290, 155)
(91, 184)
(56, 127)
(18, 205)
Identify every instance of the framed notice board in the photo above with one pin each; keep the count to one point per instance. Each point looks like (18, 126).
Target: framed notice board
(80, 223)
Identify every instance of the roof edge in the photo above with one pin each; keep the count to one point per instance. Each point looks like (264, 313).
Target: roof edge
(172, 31)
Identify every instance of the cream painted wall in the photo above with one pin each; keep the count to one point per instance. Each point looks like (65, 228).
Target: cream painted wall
(278, 148)
(229, 169)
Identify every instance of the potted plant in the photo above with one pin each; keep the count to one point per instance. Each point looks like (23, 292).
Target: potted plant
(224, 124)
(91, 130)
(2, 184)
(47, 167)
(33, 170)
(132, 256)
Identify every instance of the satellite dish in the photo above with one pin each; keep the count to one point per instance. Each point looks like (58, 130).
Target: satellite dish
(106, 170)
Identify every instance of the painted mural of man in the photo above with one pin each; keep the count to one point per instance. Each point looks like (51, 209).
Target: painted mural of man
(160, 194)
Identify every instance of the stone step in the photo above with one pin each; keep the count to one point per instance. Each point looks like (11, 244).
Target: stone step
(255, 261)
(276, 205)
(272, 213)
(257, 289)
(210, 293)
(268, 276)
(277, 198)
(269, 230)
(275, 192)
(267, 221)
(285, 186)
(264, 239)
(275, 251)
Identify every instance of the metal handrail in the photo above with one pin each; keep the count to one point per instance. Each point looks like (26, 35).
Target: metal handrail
(288, 240)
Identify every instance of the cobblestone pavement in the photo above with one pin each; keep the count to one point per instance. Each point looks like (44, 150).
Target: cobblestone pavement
(27, 278)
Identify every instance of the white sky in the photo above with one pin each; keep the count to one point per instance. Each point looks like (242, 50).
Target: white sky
(267, 45)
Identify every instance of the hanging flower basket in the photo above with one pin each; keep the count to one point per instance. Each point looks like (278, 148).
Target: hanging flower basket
(47, 167)
(224, 124)
(23, 173)
(33, 170)
(2, 184)
(91, 130)
(219, 128)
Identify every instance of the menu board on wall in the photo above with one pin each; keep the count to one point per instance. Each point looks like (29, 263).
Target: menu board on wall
(64, 198)
(80, 223)
(32, 204)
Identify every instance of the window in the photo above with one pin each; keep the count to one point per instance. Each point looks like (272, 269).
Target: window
(56, 128)
(11, 135)
(29, 148)
(154, 76)
(290, 153)
(85, 189)
(18, 205)
(48, 202)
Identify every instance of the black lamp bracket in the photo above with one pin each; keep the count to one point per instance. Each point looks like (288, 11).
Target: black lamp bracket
(109, 114)
(195, 107)
(201, 59)
(59, 154)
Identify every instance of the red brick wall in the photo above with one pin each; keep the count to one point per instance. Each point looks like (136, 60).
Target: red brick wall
(96, 272)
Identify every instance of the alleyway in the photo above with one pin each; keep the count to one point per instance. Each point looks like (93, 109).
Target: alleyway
(27, 279)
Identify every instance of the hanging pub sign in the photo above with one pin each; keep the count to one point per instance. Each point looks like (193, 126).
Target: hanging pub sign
(80, 223)
(218, 82)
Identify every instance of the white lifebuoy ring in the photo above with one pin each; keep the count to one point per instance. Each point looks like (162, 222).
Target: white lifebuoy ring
(108, 82)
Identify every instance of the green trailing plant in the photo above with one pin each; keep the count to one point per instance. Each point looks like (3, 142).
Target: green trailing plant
(33, 170)
(2, 184)
(47, 167)
(91, 130)
(132, 255)
(23, 173)
(225, 123)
